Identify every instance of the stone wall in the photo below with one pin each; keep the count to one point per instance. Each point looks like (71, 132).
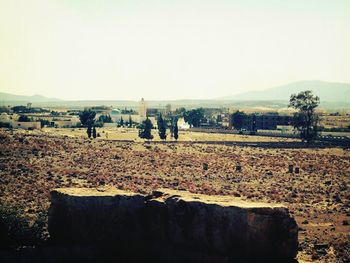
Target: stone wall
(172, 226)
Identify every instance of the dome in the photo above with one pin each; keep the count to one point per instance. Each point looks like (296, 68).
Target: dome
(115, 112)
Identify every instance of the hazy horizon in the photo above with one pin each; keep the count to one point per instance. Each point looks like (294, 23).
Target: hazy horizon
(165, 50)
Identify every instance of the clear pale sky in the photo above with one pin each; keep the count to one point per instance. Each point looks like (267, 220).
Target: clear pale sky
(95, 49)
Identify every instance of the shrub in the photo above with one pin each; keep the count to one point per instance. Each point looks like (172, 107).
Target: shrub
(24, 118)
(15, 229)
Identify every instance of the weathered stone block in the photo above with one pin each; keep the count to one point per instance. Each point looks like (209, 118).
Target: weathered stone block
(82, 215)
(176, 226)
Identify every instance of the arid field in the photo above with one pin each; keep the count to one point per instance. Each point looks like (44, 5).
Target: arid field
(32, 163)
(132, 134)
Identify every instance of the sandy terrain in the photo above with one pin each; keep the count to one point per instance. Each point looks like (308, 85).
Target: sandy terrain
(33, 163)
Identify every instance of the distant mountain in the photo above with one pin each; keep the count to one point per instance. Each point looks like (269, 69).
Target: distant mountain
(327, 91)
(21, 98)
(334, 96)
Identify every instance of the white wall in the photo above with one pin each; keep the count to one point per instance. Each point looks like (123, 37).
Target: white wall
(112, 124)
(26, 125)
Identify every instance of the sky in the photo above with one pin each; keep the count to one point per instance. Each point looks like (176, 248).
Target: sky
(161, 50)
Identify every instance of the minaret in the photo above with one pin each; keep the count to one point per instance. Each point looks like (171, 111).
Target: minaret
(142, 108)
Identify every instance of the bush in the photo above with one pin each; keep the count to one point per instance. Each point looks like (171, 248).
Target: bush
(105, 119)
(44, 122)
(24, 118)
(98, 124)
(4, 125)
(15, 229)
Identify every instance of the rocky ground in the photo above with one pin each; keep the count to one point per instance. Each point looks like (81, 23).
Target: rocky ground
(31, 165)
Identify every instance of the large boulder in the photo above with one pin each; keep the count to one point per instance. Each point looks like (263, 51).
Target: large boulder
(84, 216)
(174, 226)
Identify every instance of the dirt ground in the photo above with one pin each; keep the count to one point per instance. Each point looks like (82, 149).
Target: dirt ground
(34, 162)
(335, 121)
(132, 134)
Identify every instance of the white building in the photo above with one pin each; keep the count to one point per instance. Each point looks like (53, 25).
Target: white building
(4, 117)
(182, 124)
(12, 121)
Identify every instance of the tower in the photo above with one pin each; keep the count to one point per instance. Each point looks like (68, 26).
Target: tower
(142, 108)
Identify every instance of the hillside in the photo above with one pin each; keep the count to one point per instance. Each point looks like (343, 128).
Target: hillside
(327, 91)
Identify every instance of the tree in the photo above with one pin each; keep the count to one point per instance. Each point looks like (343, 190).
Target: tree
(94, 133)
(44, 122)
(121, 123)
(176, 130)
(55, 113)
(238, 119)
(180, 111)
(88, 131)
(145, 129)
(127, 111)
(305, 120)
(24, 118)
(20, 109)
(194, 117)
(170, 123)
(161, 127)
(130, 121)
(218, 119)
(105, 119)
(87, 117)
(4, 109)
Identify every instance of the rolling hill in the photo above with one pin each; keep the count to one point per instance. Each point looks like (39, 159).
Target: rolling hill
(21, 98)
(333, 95)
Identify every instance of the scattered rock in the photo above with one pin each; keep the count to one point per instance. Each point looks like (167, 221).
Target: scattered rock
(290, 168)
(205, 166)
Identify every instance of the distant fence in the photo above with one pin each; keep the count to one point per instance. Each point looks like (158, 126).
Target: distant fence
(271, 133)
(211, 130)
(275, 133)
(331, 138)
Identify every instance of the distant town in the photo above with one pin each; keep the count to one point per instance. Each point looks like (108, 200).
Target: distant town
(224, 119)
